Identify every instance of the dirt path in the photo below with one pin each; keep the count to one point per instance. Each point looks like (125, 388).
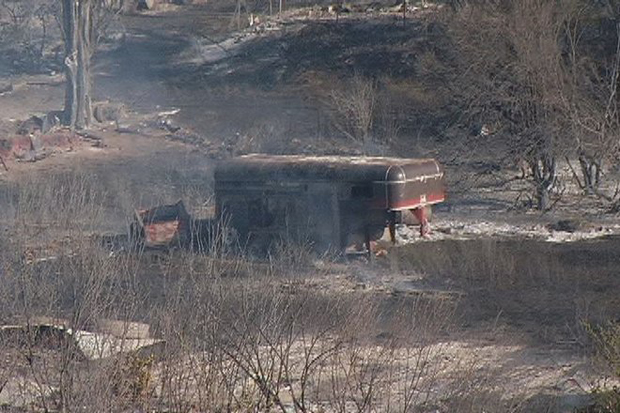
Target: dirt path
(191, 61)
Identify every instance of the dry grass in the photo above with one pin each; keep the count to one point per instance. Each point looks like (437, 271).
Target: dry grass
(548, 289)
(606, 342)
(239, 335)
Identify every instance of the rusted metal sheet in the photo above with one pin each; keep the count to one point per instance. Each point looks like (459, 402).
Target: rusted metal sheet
(113, 337)
(259, 167)
(161, 233)
(163, 225)
(36, 146)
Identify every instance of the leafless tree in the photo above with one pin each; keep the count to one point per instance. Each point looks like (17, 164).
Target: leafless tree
(530, 66)
(25, 27)
(83, 22)
(590, 93)
(353, 108)
(513, 72)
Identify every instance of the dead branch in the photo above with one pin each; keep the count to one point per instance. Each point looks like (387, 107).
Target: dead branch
(574, 173)
(6, 168)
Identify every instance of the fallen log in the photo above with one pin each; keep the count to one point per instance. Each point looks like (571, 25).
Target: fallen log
(96, 140)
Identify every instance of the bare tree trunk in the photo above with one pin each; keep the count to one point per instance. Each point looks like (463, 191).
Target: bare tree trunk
(85, 35)
(238, 14)
(591, 173)
(70, 36)
(457, 5)
(77, 27)
(544, 174)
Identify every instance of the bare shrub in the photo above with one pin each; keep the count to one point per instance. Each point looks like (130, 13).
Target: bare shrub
(106, 18)
(353, 108)
(26, 28)
(606, 345)
(272, 137)
(513, 73)
(238, 335)
(304, 349)
(363, 110)
(251, 344)
(590, 95)
(289, 256)
(56, 275)
(74, 292)
(387, 125)
(532, 67)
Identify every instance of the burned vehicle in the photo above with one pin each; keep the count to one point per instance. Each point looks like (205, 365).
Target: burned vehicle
(329, 202)
(171, 226)
(162, 226)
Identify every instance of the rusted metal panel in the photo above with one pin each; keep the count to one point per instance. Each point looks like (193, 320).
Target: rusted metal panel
(163, 225)
(287, 169)
(36, 146)
(161, 233)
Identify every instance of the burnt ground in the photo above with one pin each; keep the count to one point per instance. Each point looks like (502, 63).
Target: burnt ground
(274, 79)
(218, 100)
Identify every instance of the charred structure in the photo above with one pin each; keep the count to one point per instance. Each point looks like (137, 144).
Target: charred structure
(331, 202)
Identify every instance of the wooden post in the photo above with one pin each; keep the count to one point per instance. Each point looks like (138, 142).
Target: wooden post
(337, 235)
(368, 242)
(392, 227)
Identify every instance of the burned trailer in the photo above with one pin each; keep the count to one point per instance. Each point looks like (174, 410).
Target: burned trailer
(332, 202)
(162, 226)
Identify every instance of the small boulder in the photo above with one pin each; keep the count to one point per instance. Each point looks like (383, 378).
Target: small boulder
(146, 4)
(30, 126)
(566, 225)
(6, 87)
(108, 112)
